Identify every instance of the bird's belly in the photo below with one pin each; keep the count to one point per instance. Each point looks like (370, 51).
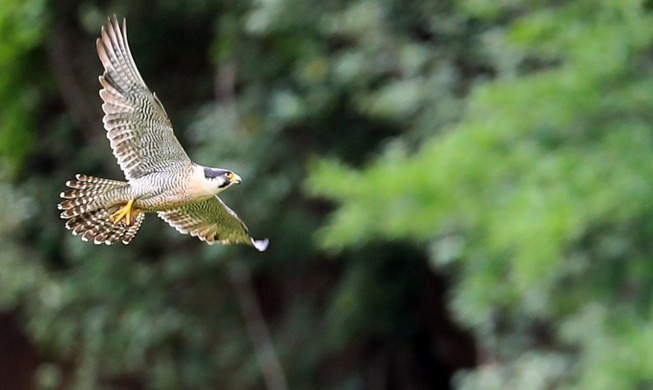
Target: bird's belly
(163, 201)
(165, 190)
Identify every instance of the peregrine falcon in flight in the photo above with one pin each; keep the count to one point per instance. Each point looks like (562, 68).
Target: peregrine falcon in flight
(160, 176)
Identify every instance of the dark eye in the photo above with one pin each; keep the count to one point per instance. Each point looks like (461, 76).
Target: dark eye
(229, 175)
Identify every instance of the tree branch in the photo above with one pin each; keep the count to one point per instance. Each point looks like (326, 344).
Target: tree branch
(72, 91)
(259, 333)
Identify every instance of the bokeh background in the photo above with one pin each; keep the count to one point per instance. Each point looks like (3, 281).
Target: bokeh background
(458, 194)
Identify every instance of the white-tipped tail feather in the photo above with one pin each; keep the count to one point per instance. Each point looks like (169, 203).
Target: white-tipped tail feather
(86, 216)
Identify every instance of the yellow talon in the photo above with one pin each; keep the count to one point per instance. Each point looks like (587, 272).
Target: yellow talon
(125, 212)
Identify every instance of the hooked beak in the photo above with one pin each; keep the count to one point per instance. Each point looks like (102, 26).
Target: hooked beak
(236, 179)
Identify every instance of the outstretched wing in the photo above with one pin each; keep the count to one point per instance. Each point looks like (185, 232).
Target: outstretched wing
(137, 125)
(212, 221)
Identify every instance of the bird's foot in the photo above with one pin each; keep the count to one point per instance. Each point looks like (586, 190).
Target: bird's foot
(126, 212)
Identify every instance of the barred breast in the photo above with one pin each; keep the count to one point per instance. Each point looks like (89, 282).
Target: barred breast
(159, 191)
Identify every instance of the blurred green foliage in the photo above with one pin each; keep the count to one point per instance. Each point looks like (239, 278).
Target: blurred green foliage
(396, 153)
(537, 200)
(21, 31)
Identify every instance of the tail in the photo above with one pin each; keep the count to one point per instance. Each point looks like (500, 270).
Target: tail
(86, 215)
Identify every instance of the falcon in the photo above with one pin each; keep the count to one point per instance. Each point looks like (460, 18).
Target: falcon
(161, 178)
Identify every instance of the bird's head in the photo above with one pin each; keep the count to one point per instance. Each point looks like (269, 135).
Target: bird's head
(218, 180)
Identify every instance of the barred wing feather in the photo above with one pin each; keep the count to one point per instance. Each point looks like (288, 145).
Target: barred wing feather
(212, 221)
(137, 125)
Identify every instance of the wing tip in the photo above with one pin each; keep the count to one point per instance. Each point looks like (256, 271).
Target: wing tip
(261, 245)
